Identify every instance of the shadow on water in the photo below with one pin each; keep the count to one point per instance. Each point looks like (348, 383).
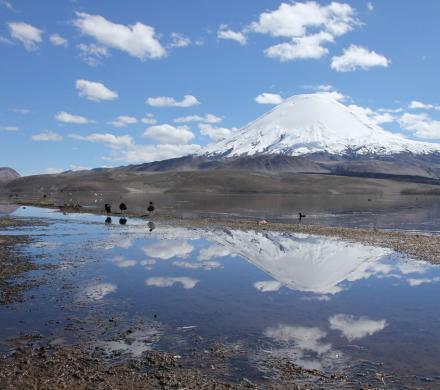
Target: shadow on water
(316, 301)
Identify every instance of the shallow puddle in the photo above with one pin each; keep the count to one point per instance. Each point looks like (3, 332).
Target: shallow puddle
(320, 302)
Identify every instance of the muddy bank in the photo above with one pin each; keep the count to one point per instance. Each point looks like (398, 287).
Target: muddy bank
(14, 263)
(8, 222)
(75, 367)
(80, 367)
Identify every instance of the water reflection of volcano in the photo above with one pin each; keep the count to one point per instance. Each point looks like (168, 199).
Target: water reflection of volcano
(300, 262)
(306, 263)
(6, 208)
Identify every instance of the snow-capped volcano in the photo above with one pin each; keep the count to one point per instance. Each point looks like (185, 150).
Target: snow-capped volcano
(314, 123)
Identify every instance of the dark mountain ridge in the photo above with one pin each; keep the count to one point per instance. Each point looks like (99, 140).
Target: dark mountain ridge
(8, 174)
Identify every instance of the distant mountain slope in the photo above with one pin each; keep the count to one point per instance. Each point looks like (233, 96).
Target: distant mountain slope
(316, 123)
(258, 163)
(123, 180)
(8, 174)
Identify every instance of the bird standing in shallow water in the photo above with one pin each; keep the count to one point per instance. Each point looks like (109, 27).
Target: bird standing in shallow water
(108, 208)
(122, 207)
(150, 207)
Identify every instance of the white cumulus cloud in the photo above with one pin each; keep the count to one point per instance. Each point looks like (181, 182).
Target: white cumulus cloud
(292, 20)
(92, 54)
(213, 251)
(97, 292)
(169, 134)
(307, 26)
(111, 140)
(52, 171)
(206, 265)
(58, 40)
(215, 133)
(268, 285)
(307, 47)
(165, 101)
(136, 154)
(269, 98)
(414, 282)
(94, 91)
(123, 120)
(356, 328)
(149, 119)
(225, 33)
(167, 249)
(304, 338)
(421, 125)
(357, 57)
(417, 105)
(207, 118)
(179, 40)
(138, 40)
(122, 262)
(20, 110)
(371, 115)
(162, 281)
(66, 117)
(9, 128)
(47, 136)
(27, 34)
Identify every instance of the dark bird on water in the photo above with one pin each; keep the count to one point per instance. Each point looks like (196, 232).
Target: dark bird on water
(123, 207)
(150, 207)
(108, 220)
(108, 208)
(301, 216)
(151, 225)
(122, 221)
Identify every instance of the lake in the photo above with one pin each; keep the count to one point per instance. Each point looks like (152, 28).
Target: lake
(320, 302)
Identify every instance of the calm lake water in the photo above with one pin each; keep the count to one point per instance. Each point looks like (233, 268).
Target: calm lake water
(406, 212)
(320, 302)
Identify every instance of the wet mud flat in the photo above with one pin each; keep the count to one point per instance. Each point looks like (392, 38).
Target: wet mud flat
(91, 339)
(14, 264)
(52, 367)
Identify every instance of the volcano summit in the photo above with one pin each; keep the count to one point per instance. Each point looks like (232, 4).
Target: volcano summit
(316, 123)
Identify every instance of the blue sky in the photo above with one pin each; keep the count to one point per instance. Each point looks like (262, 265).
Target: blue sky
(108, 83)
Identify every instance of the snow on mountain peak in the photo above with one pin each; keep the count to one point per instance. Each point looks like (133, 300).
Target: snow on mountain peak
(313, 123)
